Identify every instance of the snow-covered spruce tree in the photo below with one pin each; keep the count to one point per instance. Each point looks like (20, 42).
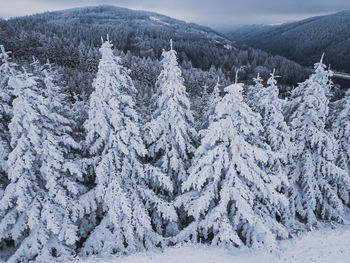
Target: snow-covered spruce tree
(36, 207)
(7, 69)
(170, 136)
(341, 130)
(314, 176)
(340, 127)
(250, 93)
(276, 132)
(122, 186)
(58, 170)
(229, 195)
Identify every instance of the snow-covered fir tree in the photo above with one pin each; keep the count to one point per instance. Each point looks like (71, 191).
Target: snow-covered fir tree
(315, 179)
(276, 132)
(170, 135)
(231, 198)
(341, 130)
(122, 186)
(250, 93)
(340, 126)
(36, 209)
(7, 69)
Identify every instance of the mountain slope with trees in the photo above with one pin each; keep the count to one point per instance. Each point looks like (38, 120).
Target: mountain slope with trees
(303, 41)
(71, 39)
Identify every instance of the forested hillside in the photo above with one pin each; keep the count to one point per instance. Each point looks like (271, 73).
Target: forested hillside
(303, 41)
(71, 38)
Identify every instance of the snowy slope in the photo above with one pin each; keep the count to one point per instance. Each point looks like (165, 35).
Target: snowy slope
(323, 246)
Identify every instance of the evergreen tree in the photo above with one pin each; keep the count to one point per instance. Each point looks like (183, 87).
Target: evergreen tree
(7, 69)
(122, 186)
(251, 91)
(340, 124)
(341, 130)
(36, 209)
(203, 106)
(314, 176)
(170, 136)
(229, 195)
(276, 133)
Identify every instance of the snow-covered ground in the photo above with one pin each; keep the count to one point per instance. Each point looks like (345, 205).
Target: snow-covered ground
(322, 246)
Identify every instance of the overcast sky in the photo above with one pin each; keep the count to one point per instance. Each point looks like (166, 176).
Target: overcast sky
(215, 13)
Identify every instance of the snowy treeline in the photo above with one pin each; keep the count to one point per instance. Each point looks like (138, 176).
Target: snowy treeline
(259, 169)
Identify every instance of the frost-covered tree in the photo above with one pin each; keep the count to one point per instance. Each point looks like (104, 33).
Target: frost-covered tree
(7, 69)
(230, 196)
(275, 131)
(122, 186)
(59, 170)
(340, 127)
(251, 91)
(36, 209)
(341, 130)
(314, 176)
(170, 135)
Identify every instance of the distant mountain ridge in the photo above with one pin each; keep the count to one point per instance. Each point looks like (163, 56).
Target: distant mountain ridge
(116, 20)
(303, 41)
(71, 38)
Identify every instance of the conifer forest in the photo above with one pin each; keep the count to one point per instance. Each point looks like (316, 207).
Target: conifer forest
(126, 132)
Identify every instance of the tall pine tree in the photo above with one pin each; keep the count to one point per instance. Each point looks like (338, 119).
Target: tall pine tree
(7, 69)
(340, 126)
(230, 196)
(36, 207)
(122, 186)
(170, 135)
(314, 175)
(341, 130)
(276, 132)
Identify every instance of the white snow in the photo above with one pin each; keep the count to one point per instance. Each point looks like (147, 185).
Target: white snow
(320, 246)
(227, 46)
